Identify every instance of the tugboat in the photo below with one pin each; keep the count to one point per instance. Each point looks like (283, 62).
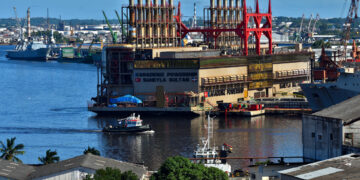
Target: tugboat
(130, 124)
(209, 156)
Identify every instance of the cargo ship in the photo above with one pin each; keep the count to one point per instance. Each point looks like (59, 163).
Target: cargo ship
(153, 64)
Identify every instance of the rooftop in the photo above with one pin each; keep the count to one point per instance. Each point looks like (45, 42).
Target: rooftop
(13, 170)
(347, 111)
(342, 167)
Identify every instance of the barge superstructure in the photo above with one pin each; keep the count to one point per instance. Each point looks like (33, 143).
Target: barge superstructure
(154, 66)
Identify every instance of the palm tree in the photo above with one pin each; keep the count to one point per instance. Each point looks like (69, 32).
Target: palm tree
(10, 151)
(51, 157)
(92, 150)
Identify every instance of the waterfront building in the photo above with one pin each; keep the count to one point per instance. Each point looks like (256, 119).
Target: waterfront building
(190, 78)
(343, 167)
(75, 168)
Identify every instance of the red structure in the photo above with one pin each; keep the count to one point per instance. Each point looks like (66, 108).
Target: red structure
(243, 30)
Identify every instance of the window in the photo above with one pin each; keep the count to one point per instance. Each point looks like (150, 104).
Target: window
(319, 137)
(331, 137)
(313, 135)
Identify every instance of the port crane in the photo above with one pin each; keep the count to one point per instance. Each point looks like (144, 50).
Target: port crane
(18, 24)
(113, 34)
(123, 31)
(298, 37)
(352, 14)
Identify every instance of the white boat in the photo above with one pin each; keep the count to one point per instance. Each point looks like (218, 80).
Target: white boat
(208, 155)
(129, 124)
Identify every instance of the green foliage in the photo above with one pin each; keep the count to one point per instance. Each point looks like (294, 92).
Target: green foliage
(112, 174)
(10, 151)
(51, 157)
(181, 168)
(92, 150)
(320, 44)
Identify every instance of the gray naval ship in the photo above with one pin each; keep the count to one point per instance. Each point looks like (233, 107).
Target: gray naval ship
(30, 50)
(323, 95)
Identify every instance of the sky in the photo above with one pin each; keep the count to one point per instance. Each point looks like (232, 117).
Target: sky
(91, 9)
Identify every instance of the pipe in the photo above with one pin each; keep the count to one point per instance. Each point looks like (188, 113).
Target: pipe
(212, 13)
(171, 20)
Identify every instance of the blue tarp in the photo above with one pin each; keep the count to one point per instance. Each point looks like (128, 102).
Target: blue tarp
(126, 99)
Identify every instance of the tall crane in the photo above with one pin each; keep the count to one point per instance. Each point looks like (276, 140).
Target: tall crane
(113, 35)
(311, 17)
(352, 14)
(316, 20)
(123, 32)
(18, 23)
(298, 37)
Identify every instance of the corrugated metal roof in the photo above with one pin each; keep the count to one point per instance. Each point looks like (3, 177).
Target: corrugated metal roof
(342, 167)
(319, 173)
(347, 111)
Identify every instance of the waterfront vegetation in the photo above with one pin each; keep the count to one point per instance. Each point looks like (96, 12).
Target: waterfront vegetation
(10, 150)
(173, 168)
(92, 150)
(182, 168)
(112, 174)
(50, 157)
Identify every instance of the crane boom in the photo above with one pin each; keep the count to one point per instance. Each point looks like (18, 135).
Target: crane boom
(113, 35)
(311, 17)
(352, 14)
(123, 32)
(316, 20)
(18, 23)
(298, 37)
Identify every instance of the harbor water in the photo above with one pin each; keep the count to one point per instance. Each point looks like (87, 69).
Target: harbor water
(44, 105)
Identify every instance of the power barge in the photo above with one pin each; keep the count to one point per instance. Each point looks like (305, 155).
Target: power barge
(154, 65)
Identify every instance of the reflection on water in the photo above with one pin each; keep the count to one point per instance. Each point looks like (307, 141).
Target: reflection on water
(250, 137)
(43, 104)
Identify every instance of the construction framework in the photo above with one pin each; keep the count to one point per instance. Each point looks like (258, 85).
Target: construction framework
(228, 25)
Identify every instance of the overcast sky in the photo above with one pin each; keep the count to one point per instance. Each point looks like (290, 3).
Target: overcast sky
(91, 9)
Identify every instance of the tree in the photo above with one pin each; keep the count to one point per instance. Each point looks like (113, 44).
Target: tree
(92, 150)
(51, 157)
(10, 151)
(112, 174)
(181, 168)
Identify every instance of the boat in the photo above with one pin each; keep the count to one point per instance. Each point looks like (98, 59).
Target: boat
(129, 124)
(30, 50)
(208, 155)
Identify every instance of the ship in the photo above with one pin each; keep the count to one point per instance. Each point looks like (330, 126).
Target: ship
(131, 124)
(323, 95)
(34, 50)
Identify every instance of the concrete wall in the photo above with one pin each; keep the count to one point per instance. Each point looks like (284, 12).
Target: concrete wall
(73, 174)
(291, 66)
(353, 129)
(322, 138)
(216, 72)
(171, 79)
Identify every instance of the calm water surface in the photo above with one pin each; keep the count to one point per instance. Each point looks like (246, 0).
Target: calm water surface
(43, 105)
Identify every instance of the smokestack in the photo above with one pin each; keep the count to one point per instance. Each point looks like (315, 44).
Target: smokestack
(218, 11)
(212, 12)
(132, 28)
(28, 23)
(225, 10)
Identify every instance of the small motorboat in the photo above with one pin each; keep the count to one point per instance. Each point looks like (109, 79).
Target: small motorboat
(130, 124)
